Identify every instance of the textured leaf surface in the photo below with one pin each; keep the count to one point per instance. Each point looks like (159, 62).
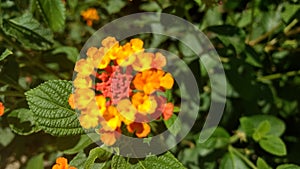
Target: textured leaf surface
(53, 12)
(52, 113)
(29, 32)
(165, 161)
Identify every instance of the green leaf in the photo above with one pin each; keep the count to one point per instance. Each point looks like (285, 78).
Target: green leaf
(6, 53)
(21, 121)
(273, 145)
(218, 139)
(262, 129)
(288, 166)
(173, 124)
(261, 164)
(289, 11)
(249, 124)
(114, 6)
(52, 113)
(230, 160)
(82, 143)
(71, 52)
(29, 32)
(6, 136)
(79, 160)
(252, 57)
(36, 162)
(94, 154)
(53, 12)
(165, 161)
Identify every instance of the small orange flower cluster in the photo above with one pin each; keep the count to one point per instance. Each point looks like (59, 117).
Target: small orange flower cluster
(128, 89)
(90, 15)
(1, 109)
(62, 163)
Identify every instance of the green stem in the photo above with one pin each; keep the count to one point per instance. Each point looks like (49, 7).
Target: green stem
(264, 36)
(278, 75)
(242, 156)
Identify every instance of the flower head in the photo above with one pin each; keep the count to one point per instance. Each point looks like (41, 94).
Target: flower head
(125, 95)
(90, 15)
(62, 163)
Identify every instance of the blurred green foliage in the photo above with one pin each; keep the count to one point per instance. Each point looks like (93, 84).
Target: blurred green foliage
(258, 43)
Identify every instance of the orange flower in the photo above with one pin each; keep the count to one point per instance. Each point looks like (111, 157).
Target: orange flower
(140, 129)
(168, 111)
(151, 80)
(62, 163)
(109, 137)
(1, 109)
(112, 119)
(144, 104)
(71, 101)
(90, 15)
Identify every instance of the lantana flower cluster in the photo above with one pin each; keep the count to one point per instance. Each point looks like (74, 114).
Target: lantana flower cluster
(120, 88)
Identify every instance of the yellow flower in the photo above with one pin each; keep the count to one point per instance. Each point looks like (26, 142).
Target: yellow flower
(83, 97)
(90, 15)
(144, 104)
(167, 81)
(88, 121)
(101, 102)
(82, 81)
(62, 163)
(143, 61)
(94, 55)
(112, 119)
(127, 111)
(84, 67)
